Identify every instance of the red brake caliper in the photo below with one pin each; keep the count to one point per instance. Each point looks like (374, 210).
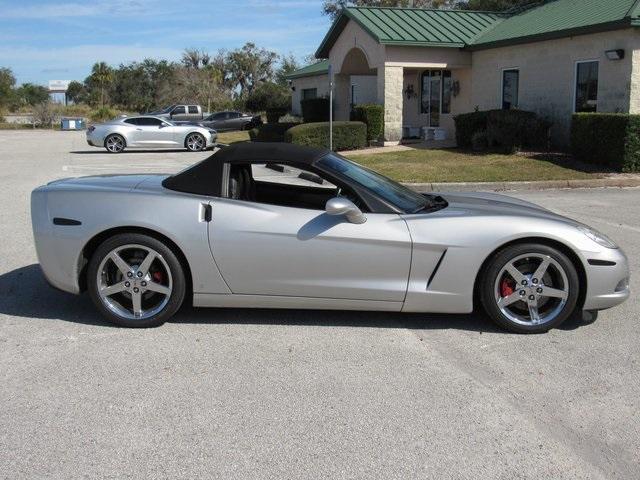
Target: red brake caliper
(157, 277)
(506, 288)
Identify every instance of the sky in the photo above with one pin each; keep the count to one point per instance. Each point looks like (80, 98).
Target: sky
(42, 40)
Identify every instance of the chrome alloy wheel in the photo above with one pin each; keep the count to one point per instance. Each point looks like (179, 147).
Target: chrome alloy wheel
(531, 289)
(195, 142)
(134, 282)
(115, 144)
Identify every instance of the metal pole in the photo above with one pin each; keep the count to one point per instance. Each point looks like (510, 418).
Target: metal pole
(330, 108)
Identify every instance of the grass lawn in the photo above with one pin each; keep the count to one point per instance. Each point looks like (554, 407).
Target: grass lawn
(437, 166)
(233, 137)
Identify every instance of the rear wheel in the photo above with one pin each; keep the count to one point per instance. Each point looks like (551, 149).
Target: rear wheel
(114, 143)
(195, 142)
(136, 281)
(530, 288)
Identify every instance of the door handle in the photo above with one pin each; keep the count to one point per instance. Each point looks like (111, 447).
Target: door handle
(139, 129)
(205, 213)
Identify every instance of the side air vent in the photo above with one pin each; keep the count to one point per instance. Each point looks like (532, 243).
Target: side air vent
(435, 270)
(601, 263)
(69, 222)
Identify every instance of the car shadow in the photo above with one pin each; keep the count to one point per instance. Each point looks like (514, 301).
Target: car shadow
(102, 151)
(25, 293)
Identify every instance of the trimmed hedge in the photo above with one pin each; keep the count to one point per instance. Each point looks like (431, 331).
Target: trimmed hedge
(270, 132)
(506, 130)
(372, 115)
(346, 135)
(315, 110)
(467, 124)
(609, 139)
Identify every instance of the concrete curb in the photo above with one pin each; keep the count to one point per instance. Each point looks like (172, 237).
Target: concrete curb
(611, 182)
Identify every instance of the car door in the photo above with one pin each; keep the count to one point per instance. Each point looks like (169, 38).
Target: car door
(275, 250)
(234, 121)
(217, 121)
(153, 132)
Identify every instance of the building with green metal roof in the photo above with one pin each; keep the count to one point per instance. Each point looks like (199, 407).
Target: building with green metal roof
(554, 57)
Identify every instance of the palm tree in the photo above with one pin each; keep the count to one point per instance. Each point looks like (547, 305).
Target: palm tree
(102, 74)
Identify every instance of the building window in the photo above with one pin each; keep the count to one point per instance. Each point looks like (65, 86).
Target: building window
(586, 87)
(436, 94)
(510, 87)
(308, 93)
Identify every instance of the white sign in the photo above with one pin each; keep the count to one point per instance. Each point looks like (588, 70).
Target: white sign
(59, 85)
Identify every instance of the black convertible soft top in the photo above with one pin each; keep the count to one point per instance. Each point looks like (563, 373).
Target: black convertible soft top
(205, 178)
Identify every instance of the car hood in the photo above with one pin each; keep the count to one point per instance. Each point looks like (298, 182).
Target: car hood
(483, 204)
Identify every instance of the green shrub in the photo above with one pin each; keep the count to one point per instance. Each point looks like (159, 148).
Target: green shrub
(467, 124)
(506, 130)
(372, 115)
(274, 114)
(315, 110)
(346, 135)
(608, 139)
(102, 114)
(270, 132)
(479, 141)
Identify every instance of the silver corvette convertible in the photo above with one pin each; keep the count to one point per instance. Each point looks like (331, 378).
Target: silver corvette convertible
(281, 226)
(149, 132)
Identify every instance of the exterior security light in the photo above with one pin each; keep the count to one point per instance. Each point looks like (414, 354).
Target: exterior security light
(615, 54)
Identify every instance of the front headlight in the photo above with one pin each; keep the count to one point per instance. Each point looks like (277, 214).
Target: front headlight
(596, 236)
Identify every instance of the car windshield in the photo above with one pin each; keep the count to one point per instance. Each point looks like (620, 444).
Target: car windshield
(166, 110)
(399, 195)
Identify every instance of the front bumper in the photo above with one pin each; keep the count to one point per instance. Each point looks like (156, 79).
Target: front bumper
(607, 279)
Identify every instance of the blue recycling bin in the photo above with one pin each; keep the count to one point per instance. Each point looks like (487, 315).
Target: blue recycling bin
(72, 124)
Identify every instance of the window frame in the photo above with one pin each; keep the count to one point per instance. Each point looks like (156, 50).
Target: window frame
(574, 108)
(184, 110)
(192, 109)
(504, 71)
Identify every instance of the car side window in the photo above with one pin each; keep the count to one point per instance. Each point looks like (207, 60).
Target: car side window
(219, 116)
(132, 121)
(193, 109)
(150, 122)
(180, 110)
(284, 185)
(234, 115)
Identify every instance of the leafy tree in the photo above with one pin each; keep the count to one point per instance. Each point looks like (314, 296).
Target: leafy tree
(249, 65)
(101, 75)
(193, 58)
(269, 96)
(30, 94)
(288, 64)
(77, 92)
(7, 82)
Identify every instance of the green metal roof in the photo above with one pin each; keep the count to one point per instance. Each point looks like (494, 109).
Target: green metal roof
(319, 68)
(560, 18)
(476, 30)
(413, 26)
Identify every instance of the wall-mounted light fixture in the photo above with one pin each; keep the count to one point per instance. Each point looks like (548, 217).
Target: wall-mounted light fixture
(410, 92)
(455, 88)
(615, 54)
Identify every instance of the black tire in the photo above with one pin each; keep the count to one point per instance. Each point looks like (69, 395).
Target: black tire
(195, 147)
(118, 146)
(176, 296)
(488, 282)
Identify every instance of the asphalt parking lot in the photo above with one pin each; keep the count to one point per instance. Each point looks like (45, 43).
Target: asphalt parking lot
(299, 394)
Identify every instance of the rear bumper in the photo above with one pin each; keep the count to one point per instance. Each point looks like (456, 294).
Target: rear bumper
(607, 284)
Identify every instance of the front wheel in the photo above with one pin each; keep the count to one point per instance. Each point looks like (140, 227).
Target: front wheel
(136, 281)
(195, 142)
(114, 143)
(529, 288)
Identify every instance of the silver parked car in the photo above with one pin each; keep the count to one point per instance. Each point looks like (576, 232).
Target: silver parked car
(283, 226)
(149, 132)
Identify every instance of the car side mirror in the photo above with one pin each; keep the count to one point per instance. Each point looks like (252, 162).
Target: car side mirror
(342, 206)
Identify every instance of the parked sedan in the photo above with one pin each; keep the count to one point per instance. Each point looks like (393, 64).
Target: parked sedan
(283, 226)
(229, 121)
(149, 132)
